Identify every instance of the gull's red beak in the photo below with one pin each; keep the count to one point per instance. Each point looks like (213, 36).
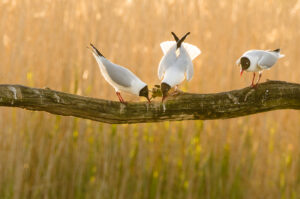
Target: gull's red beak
(242, 72)
(163, 98)
(149, 100)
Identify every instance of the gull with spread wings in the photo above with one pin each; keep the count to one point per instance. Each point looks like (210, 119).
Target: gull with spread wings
(176, 64)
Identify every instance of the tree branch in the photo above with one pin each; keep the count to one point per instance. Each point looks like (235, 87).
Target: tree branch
(271, 95)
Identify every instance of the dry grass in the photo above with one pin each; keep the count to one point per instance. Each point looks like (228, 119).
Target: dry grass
(43, 43)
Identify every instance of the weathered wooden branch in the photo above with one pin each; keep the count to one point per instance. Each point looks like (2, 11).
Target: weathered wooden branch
(271, 95)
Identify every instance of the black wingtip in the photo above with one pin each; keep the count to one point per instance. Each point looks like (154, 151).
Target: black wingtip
(277, 50)
(175, 36)
(182, 39)
(96, 50)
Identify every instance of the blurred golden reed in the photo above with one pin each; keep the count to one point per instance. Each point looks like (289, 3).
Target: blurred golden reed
(43, 44)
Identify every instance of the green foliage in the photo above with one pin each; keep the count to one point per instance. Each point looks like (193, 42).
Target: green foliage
(84, 159)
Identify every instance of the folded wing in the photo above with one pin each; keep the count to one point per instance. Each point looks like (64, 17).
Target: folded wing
(120, 75)
(267, 61)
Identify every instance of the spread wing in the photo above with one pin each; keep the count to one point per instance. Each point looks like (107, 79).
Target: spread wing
(267, 61)
(188, 62)
(167, 45)
(190, 71)
(192, 50)
(184, 63)
(167, 60)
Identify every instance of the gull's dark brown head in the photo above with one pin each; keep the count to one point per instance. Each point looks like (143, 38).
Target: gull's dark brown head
(144, 92)
(164, 89)
(245, 63)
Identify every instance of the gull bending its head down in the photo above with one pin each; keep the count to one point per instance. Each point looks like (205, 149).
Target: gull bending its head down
(120, 77)
(176, 64)
(257, 61)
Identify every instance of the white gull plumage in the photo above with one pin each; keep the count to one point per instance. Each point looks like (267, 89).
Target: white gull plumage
(176, 64)
(120, 77)
(257, 61)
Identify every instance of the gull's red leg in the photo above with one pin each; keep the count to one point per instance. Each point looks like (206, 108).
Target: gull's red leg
(260, 74)
(120, 97)
(252, 84)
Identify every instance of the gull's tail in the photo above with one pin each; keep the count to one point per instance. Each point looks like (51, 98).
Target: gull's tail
(96, 51)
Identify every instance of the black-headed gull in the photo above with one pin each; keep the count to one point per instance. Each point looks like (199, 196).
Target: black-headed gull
(257, 61)
(176, 62)
(119, 77)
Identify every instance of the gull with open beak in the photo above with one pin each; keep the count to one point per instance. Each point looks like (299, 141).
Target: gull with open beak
(119, 77)
(257, 61)
(176, 63)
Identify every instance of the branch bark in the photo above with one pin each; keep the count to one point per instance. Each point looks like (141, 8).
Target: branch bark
(271, 95)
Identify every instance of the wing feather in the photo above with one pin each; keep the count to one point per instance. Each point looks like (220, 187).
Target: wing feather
(192, 50)
(167, 60)
(120, 75)
(167, 45)
(190, 71)
(267, 61)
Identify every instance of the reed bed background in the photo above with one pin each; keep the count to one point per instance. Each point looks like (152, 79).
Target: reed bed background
(43, 44)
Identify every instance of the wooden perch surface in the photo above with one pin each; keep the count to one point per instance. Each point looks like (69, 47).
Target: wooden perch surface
(271, 95)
